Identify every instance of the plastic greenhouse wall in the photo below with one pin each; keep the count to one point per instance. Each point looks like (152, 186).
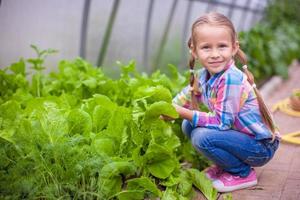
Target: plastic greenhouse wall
(57, 24)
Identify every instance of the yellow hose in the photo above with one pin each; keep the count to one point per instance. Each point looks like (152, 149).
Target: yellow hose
(285, 107)
(292, 137)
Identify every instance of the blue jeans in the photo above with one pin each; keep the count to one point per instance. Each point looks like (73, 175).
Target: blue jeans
(231, 150)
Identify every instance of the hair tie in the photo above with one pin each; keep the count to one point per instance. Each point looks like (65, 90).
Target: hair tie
(192, 70)
(245, 67)
(254, 85)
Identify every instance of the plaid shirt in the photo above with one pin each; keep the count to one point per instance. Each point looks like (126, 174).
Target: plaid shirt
(231, 100)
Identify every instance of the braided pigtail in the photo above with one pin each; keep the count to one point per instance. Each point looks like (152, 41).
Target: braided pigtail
(193, 81)
(266, 114)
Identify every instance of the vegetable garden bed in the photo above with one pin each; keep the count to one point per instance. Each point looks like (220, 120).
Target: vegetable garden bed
(77, 134)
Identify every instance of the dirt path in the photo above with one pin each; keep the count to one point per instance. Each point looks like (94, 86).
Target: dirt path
(280, 178)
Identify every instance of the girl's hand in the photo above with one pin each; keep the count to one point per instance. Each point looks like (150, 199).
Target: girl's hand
(166, 118)
(183, 112)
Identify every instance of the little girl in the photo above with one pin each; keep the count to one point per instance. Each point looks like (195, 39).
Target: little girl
(238, 133)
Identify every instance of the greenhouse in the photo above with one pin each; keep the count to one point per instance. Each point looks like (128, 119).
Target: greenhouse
(145, 99)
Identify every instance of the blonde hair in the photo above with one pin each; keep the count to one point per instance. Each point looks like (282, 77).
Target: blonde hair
(217, 19)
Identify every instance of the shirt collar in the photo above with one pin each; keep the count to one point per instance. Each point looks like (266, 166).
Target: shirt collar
(212, 80)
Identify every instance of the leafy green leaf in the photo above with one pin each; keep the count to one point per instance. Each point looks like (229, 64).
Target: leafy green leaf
(157, 109)
(154, 94)
(18, 67)
(90, 82)
(131, 195)
(227, 196)
(108, 187)
(101, 117)
(7, 134)
(159, 161)
(116, 168)
(203, 184)
(110, 180)
(9, 116)
(171, 194)
(143, 183)
(79, 122)
(104, 146)
(185, 184)
(118, 123)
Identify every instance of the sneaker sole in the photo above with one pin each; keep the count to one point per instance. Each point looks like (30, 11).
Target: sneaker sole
(218, 185)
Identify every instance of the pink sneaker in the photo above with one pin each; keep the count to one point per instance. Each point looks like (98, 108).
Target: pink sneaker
(213, 172)
(227, 182)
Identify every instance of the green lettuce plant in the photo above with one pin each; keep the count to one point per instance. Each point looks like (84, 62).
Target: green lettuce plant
(78, 134)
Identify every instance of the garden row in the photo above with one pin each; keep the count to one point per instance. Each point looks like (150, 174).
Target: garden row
(271, 51)
(77, 134)
(272, 44)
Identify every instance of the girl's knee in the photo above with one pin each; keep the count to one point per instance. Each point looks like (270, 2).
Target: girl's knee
(201, 137)
(187, 128)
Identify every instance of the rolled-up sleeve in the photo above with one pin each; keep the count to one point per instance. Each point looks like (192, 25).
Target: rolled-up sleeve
(183, 98)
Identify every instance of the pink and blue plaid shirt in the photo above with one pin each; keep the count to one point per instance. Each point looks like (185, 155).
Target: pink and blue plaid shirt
(231, 100)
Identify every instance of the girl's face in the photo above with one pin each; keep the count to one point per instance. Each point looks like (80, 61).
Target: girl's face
(214, 47)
